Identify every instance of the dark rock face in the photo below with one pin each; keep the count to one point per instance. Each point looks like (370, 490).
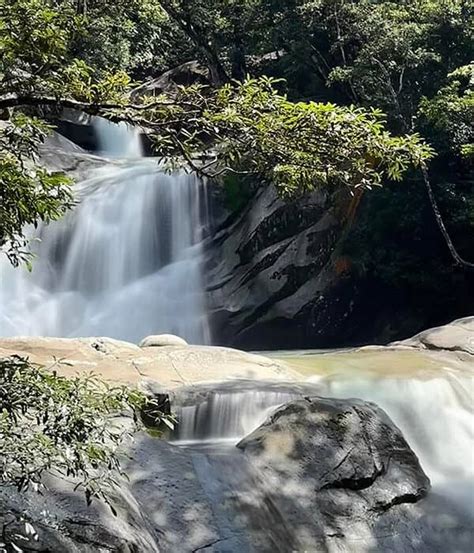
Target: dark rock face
(276, 279)
(272, 275)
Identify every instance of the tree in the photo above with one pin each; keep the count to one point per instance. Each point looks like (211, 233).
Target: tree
(447, 118)
(247, 126)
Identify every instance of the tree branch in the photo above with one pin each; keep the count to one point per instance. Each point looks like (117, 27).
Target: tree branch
(93, 108)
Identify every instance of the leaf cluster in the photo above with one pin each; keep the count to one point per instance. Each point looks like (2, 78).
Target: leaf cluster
(29, 194)
(63, 426)
(250, 127)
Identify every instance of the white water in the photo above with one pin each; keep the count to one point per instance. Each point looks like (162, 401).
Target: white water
(228, 415)
(435, 416)
(125, 263)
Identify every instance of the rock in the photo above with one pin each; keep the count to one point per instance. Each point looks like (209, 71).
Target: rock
(275, 275)
(269, 271)
(457, 336)
(191, 72)
(337, 471)
(125, 363)
(319, 475)
(162, 340)
(58, 153)
(159, 504)
(62, 521)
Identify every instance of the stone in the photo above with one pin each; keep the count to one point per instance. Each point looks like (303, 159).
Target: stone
(267, 266)
(457, 336)
(343, 479)
(191, 72)
(160, 340)
(275, 274)
(125, 363)
(348, 445)
(159, 507)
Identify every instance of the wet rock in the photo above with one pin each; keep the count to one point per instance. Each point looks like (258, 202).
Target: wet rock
(162, 340)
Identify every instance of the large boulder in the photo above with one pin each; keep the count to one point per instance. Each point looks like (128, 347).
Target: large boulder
(341, 475)
(281, 275)
(59, 520)
(157, 506)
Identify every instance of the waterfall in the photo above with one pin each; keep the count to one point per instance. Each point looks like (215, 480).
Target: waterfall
(124, 263)
(229, 411)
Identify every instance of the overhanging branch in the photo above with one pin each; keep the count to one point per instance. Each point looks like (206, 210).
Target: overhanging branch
(93, 108)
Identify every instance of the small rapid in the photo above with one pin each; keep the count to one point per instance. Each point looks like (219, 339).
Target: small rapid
(223, 413)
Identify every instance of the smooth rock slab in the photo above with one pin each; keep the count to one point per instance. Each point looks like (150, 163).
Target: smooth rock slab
(126, 363)
(457, 336)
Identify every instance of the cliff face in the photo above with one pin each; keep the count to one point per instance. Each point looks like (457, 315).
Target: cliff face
(271, 271)
(277, 277)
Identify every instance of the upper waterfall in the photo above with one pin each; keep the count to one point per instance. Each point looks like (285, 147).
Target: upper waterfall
(125, 263)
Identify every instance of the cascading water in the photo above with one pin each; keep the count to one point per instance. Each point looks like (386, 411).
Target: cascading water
(226, 412)
(432, 407)
(125, 263)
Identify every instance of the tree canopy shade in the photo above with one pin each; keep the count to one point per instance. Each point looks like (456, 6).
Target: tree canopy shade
(240, 127)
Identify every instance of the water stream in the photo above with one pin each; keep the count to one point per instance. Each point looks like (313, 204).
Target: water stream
(125, 263)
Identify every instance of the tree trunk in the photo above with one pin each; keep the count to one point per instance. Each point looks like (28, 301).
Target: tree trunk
(199, 38)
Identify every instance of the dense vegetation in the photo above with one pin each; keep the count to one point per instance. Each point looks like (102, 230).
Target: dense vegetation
(58, 54)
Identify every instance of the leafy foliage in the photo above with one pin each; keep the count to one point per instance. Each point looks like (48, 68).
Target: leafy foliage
(250, 127)
(28, 193)
(450, 113)
(59, 425)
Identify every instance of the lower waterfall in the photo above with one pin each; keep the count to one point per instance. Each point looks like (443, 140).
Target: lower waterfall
(433, 412)
(124, 263)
